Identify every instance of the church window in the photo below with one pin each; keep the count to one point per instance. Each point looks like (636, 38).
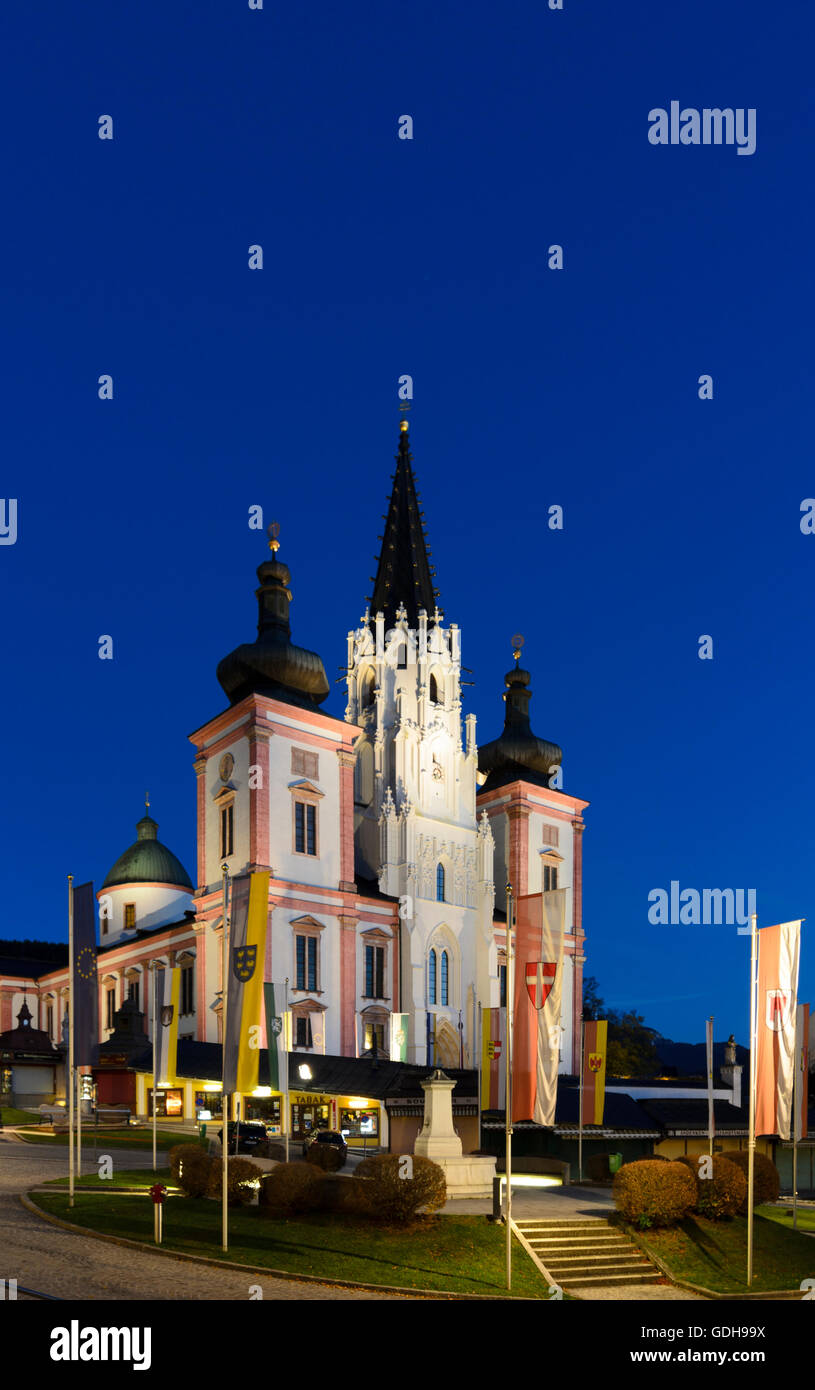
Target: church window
(365, 774)
(187, 981)
(374, 972)
(445, 975)
(549, 877)
(305, 827)
(227, 828)
(401, 655)
(374, 1037)
(129, 916)
(302, 1031)
(367, 689)
(110, 1006)
(50, 1023)
(133, 992)
(436, 691)
(440, 883)
(431, 978)
(306, 960)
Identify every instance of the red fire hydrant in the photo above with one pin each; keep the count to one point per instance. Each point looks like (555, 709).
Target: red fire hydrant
(158, 1192)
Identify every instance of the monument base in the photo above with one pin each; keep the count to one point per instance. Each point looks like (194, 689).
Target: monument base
(470, 1175)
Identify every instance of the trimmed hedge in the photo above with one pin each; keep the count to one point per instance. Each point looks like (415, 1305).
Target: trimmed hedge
(190, 1167)
(292, 1189)
(241, 1173)
(650, 1193)
(766, 1179)
(396, 1199)
(724, 1192)
(324, 1156)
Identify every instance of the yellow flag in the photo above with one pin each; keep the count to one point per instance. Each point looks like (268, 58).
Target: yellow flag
(250, 953)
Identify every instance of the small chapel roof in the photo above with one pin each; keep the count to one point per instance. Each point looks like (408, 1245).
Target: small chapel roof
(147, 860)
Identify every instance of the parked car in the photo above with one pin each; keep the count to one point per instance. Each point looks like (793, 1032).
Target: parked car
(250, 1133)
(327, 1136)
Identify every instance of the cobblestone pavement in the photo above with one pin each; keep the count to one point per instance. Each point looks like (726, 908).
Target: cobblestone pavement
(43, 1257)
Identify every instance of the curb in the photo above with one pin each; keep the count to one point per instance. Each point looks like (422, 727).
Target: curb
(260, 1270)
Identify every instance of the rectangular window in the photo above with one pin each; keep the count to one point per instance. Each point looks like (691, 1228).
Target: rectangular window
(208, 1103)
(374, 972)
(502, 976)
(551, 835)
(187, 982)
(305, 764)
(110, 1007)
(305, 827)
(129, 916)
(374, 1033)
(133, 992)
(227, 827)
(306, 951)
(549, 878)
(358, 1123)
(50, 1023)
(168, 1103)
(302, 1031)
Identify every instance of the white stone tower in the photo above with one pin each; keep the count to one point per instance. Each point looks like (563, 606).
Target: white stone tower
(415, 823)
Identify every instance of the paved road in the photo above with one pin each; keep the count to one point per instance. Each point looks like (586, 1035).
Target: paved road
(58, 1262)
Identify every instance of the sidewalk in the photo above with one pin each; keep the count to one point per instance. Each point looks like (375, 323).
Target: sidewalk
(548, 1203)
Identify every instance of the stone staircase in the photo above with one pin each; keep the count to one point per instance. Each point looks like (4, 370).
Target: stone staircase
(587, 1253)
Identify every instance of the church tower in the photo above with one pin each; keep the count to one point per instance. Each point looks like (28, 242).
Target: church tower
(415, 824)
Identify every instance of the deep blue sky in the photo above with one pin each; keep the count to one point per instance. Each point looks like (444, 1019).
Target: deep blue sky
(532, 387)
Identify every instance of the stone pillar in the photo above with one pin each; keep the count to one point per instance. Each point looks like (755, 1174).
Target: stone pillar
(437, 1138)
(260, 848)
(200, 765)
(348, 984)
(347, 761)
(518, 849)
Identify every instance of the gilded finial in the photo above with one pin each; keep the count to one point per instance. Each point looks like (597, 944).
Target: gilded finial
(147, 802)
(403, 426)
(517, 644)
(273, 531)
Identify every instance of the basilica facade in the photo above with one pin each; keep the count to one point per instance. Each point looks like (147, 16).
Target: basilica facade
(390, 835)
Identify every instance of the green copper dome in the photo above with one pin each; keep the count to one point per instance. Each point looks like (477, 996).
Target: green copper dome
(148, 861)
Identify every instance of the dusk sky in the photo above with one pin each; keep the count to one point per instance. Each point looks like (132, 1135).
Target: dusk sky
(532, 387)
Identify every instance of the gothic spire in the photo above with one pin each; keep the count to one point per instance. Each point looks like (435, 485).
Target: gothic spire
(404, 574)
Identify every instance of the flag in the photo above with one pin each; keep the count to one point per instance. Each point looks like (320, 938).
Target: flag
(595, 1050)
(276, 1036)
(165, 1022)
(356, 1034)
(399, 1037)
(247, 956)
(86, 989)
(539, 931)
(711, 1120)
(318, 1031)
(802, 1071)
(493, 1059)
(778, 949)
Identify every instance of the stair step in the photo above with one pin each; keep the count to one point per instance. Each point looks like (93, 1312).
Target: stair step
(575, 1267)
(612, 1280)
(570, 1256)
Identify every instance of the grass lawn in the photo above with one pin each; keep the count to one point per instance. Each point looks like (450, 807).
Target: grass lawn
(783, 1215)
(104, 1139)
(457, 1254)
(10, 1116)
(714, 1254)
(143, 1178)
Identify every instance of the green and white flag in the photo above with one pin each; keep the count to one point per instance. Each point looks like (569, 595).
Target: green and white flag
(399, 1037)
(275, 1036)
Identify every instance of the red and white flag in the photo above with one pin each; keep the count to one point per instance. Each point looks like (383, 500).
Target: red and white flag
(539, 932)
(778, 949)
(802, 1071)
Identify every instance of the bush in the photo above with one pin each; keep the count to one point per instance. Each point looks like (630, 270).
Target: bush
(395, 1199)
(723, 1193)
(650, 1193)
(292, 1189)
(766, 1180)
(241, 1174)
(324, 1156)
(190, 1167)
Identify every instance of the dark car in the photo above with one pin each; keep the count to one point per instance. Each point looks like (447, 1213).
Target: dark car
(250, 1133)
(327, 1136)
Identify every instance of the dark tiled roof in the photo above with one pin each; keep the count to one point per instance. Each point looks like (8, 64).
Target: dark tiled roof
(673, 1113)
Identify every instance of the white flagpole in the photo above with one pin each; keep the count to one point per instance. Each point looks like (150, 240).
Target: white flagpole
(580, 1103)
(508, 1097)
(224, 1097)
(286, 1041)
(480, 1046)
(70, 1057)
(751, 1142)
(155, 1036)
(709, 1060)
(796, 1107)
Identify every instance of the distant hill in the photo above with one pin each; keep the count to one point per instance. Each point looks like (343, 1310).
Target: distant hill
(27, 949)
(689, 1058)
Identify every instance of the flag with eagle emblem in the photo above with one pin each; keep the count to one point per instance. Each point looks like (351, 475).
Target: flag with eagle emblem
(595, 1044)
(247, 962)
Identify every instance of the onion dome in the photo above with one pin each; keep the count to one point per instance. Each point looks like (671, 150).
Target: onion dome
(272, 665)
(518, 756)
(148, 861)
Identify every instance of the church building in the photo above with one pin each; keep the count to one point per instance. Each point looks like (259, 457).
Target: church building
(389, 835)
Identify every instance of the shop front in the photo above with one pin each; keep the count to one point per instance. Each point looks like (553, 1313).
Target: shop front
(356, 1117)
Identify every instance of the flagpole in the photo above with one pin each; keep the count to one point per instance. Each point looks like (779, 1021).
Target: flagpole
(710, 1113)
(286, 1040)
(751, 1142)
(224, 1097)
(580, 1102)
(70, 1057)
(480, 1046)
(155, 1079)
(508, 1087)
(796, 1103)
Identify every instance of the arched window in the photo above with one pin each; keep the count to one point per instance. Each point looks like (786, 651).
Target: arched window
(431, 978)
(436, 691)
(365, 774)
(440, 883)
(445, 975)
(401, 655)
(366, 689)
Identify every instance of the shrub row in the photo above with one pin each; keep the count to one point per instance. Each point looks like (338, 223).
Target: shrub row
(652, 1192)
(200, 1175)
(379, 1190)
